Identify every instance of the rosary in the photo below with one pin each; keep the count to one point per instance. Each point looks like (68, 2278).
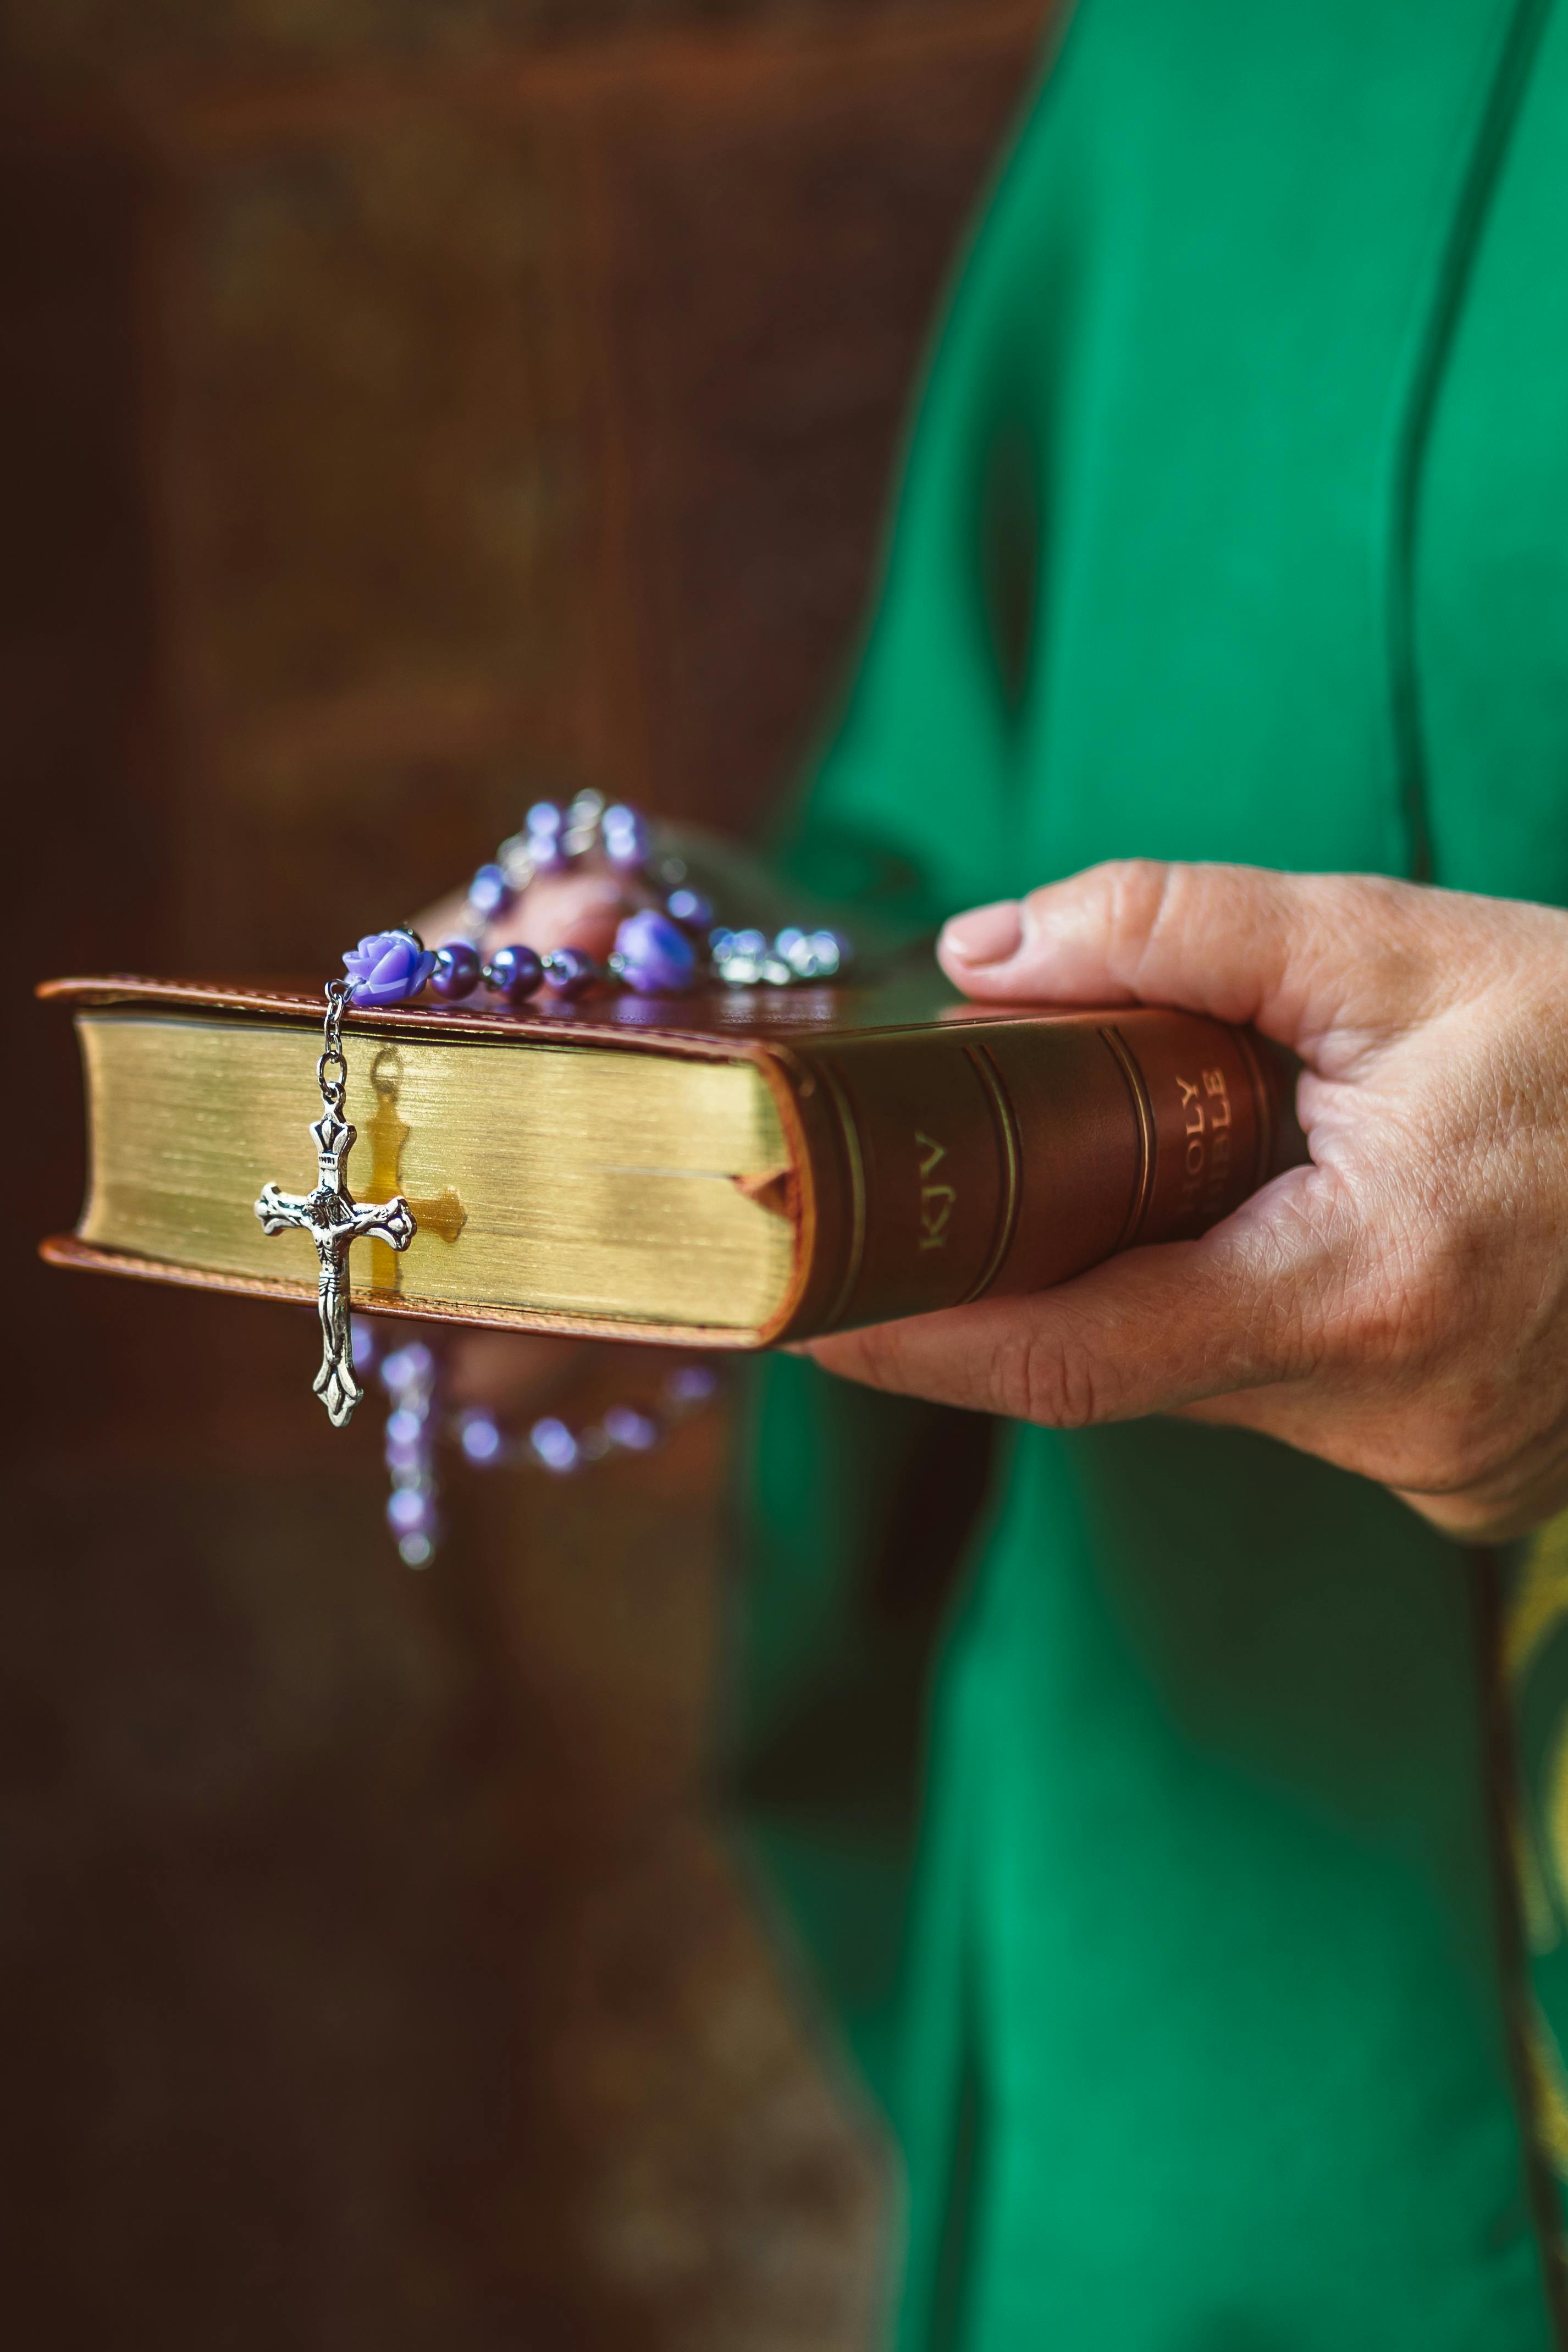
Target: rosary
(410, 1377)
(665, 950)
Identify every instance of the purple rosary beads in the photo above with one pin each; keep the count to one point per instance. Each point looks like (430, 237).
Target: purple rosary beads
(410, 1377)
(659, 952)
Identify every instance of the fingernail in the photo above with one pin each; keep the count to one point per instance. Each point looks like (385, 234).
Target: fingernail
(986, 934)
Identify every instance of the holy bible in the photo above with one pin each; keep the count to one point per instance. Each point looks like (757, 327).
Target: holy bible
(734, 1170)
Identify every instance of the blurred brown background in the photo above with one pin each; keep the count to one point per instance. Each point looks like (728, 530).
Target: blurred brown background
(408, 408)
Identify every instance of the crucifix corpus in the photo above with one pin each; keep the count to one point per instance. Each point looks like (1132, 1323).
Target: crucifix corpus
(334, 1219)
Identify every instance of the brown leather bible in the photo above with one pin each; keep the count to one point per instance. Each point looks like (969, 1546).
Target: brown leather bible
(734, 1170)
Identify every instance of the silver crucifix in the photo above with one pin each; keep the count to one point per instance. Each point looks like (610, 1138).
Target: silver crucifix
(334, 1219)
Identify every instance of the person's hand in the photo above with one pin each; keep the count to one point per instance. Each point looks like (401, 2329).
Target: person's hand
(582, 906)
(579, 907)
(1400, 1307)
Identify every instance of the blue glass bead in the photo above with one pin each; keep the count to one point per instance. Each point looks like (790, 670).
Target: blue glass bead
(657, 959)
(544, 822)
(457, 969)
(490, 893)
(626, 836)
(479, 1437)
(568, 971)
(410, 1512)
(514, 973)
(636, 1430)
(690, 908)
(553, 1443)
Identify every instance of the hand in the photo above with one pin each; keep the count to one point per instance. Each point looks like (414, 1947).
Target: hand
(580, 908)
(1400, 1307)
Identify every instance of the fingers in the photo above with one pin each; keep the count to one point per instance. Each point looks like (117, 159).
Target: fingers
(1297, 955)
(1149, 1332)
(566, 911)
(571, 911)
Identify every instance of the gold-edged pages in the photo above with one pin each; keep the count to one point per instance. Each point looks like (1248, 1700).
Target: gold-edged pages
(552, 1179)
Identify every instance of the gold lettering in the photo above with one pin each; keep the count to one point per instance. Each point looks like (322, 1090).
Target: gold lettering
(930, 1152)
(1195, 1124)
(1194, 1127)
(936, 1207)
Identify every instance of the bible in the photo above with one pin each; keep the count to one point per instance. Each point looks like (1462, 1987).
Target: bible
(730, 1169)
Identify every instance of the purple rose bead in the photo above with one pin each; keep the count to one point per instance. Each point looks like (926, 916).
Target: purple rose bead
(458, 970)
(387, 967)
(657, 959)
(514, 973)
(568, 971)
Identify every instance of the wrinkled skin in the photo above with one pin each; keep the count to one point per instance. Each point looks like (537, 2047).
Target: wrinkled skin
(1400, 1307)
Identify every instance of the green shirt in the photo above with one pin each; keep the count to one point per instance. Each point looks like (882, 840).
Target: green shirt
(1158, 1873)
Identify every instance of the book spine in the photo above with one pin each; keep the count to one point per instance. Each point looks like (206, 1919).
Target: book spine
(992, 1158)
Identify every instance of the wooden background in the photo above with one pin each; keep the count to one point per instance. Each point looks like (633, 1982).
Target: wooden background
(408, 408)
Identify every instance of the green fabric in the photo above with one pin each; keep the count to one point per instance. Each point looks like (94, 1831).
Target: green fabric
(1158, 1899)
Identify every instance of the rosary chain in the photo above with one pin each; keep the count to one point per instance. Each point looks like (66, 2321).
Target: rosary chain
(337, 994)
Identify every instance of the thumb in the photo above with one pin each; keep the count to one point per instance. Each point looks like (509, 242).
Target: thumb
(1242, 1309)
(1300, 955)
